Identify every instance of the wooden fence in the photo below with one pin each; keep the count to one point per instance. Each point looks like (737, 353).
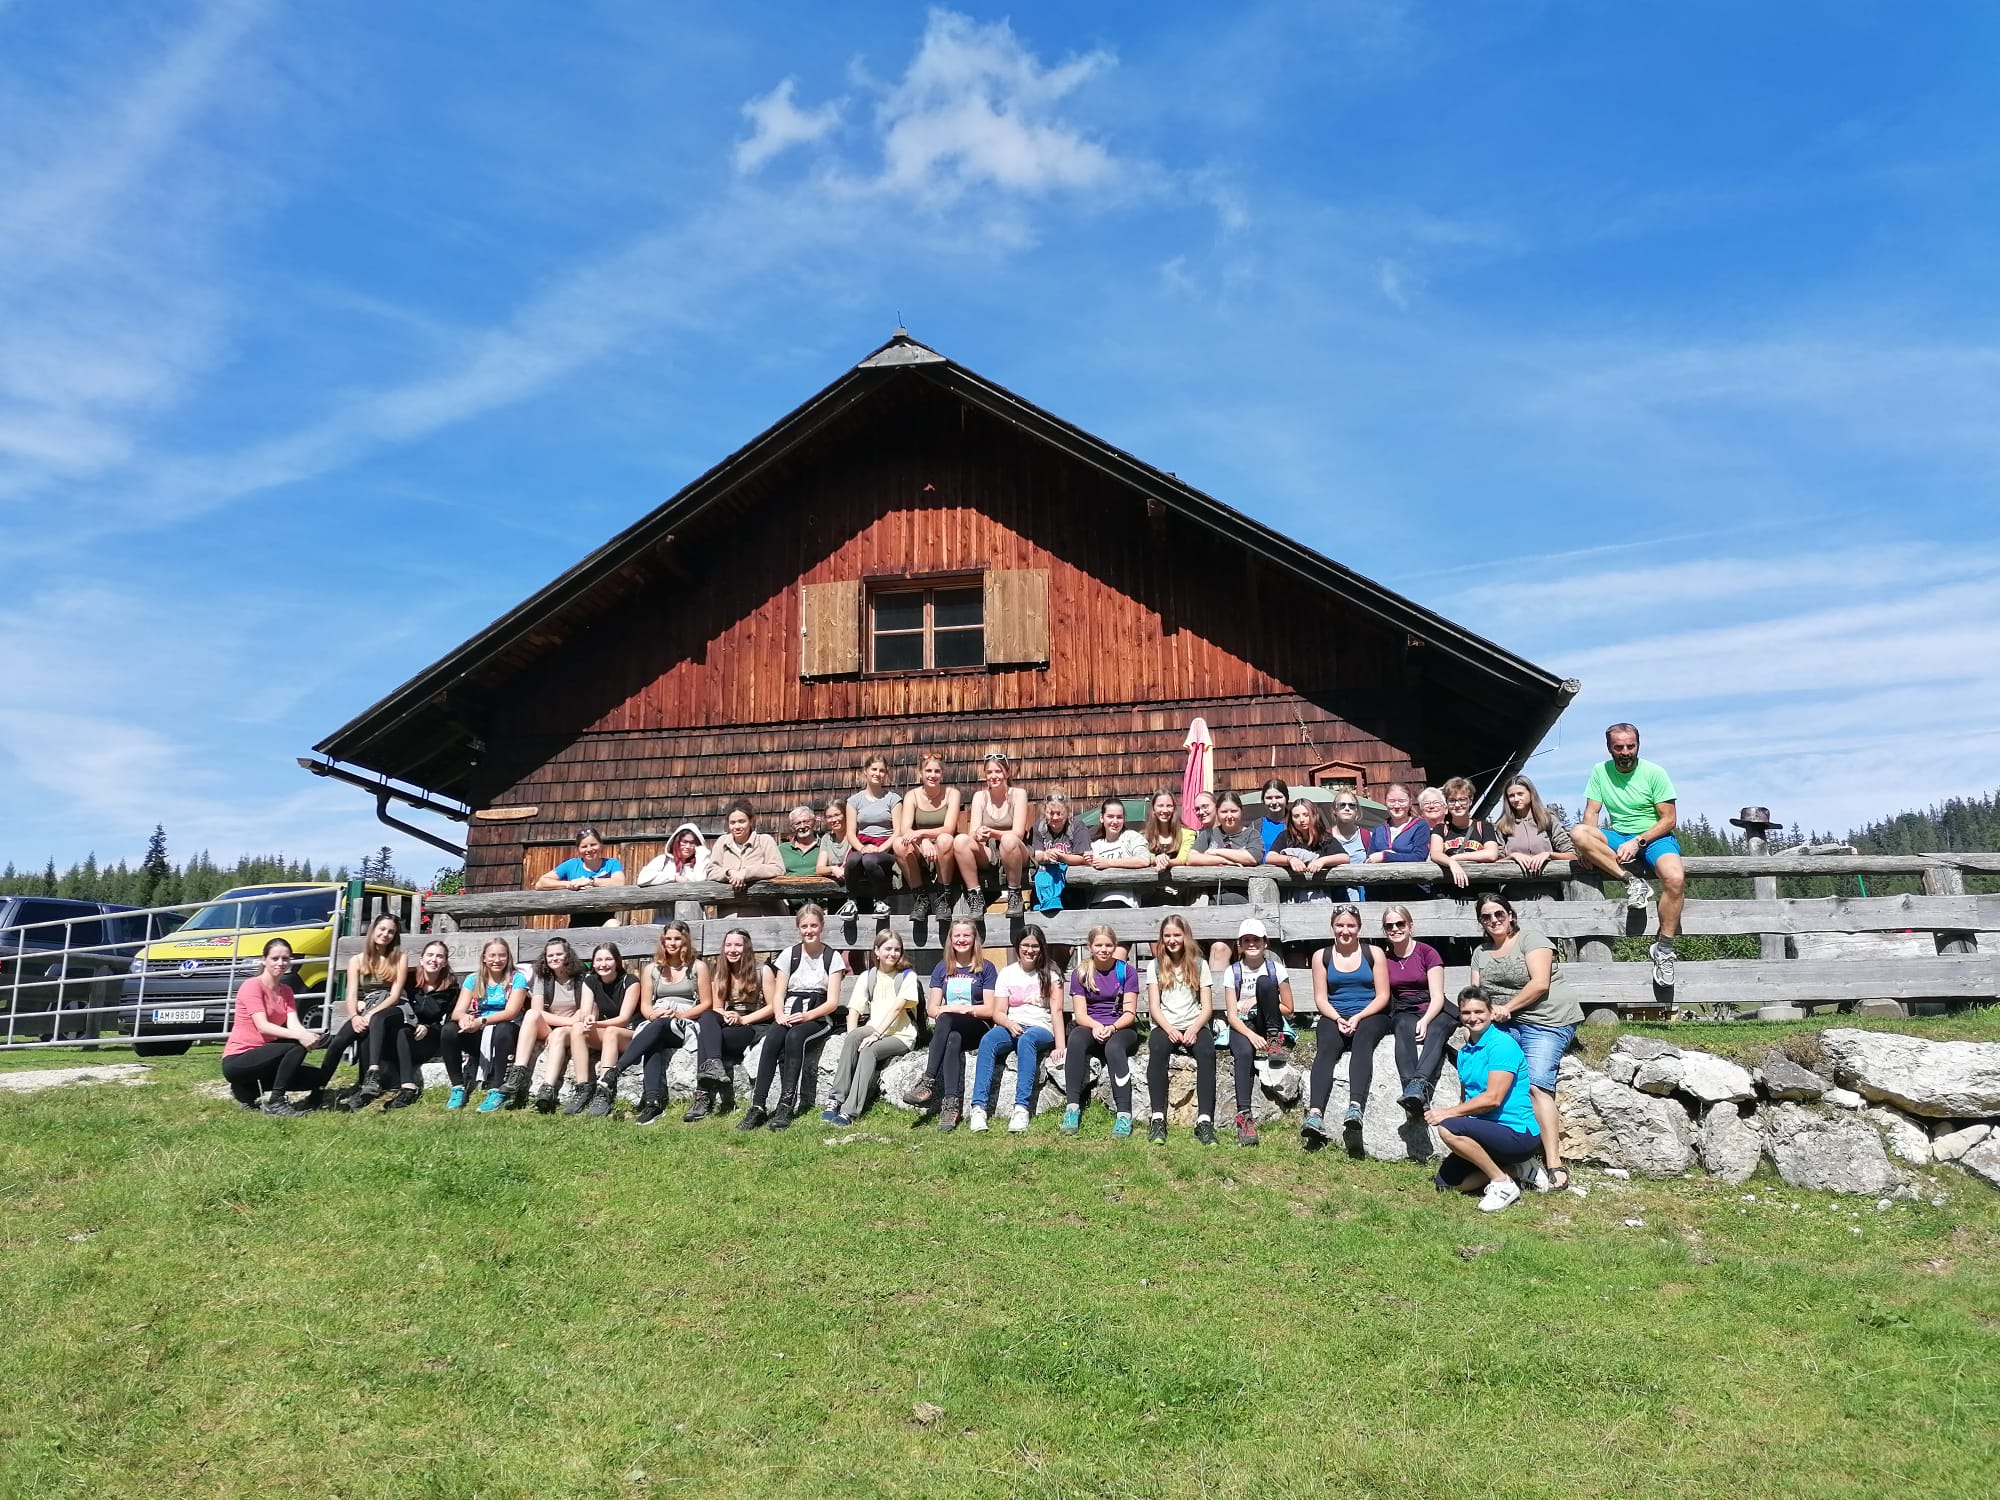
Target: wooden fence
(1960, 933)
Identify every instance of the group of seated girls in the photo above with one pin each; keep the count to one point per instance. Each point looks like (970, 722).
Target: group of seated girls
(597, 1021)
(944, 848)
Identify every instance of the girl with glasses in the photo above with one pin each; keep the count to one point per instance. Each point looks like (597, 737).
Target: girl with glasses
(1462, 839)
(1516, 969)
(1423, 1019)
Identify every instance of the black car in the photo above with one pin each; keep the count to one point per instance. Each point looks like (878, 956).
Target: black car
(63, 963)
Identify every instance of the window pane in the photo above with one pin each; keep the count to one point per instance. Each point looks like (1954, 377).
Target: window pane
(899, 653)
(959, 607)
(961, 648)
(899, 611)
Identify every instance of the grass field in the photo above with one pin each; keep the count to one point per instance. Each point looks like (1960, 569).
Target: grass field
(199, 1301)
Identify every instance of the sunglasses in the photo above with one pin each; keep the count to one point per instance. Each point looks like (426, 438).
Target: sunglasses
(1493, 916)
(1395, 926)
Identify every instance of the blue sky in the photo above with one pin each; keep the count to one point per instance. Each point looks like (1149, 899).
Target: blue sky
(1657, 343)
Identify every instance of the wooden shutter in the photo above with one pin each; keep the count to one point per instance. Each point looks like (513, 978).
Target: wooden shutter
(1017, 617)
(829, 629)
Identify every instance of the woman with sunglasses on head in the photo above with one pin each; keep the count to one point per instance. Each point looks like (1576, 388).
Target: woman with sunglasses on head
(485, 1023)
(1418, 1011)
(614, 1013)
(734, 1007)
(925, 837)
(1518, 971)
(1180, 1005)
(1028, 1021)
(1497, 1126)
(413, 1031)
(1462, 839)
(881, 1027)
(587, 869)
(803, 985)
(1345, 835)
(961, 1008)
(1351, 993)
(375, 979)
(672, 991)
(998, 839)
(268, 1042)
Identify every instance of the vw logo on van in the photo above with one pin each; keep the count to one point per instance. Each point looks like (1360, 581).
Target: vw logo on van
(189, 965)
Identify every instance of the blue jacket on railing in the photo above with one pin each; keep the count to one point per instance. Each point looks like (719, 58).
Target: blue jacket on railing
(1410, 847)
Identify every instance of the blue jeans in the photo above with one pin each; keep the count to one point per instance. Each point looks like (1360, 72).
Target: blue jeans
(1543, 1047)
(1027, 1048)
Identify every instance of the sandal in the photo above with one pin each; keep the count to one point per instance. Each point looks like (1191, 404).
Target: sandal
(1558, 1179)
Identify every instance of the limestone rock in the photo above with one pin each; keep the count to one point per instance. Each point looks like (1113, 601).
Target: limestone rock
(1939, 1080)
(1387, 1133)
(1606, 1122)
(1731, 1144)
(1906, 1139)
(1955, 1143)
(1659, 1076)
(1645, 1048)
(1715, 1080)
(1983, 1160)
(1781, 1078)
(1828, 1152)
(1843, 1099)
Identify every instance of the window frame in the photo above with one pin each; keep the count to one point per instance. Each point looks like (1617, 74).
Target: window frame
(928, 587)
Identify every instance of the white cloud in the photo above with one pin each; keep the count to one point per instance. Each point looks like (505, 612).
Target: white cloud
(1394, 279)
(778, 124)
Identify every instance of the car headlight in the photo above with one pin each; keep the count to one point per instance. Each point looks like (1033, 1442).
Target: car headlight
(138, 966)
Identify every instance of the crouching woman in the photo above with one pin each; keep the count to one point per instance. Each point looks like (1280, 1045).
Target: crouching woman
(268, 1043)
(1494, 1128)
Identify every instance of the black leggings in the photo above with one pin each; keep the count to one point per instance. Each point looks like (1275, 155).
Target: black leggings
(1116, 1050)
(1201, 1049)
(392, 1029)
(870, 874)
(714, 1042)
(459, 1046)
(953, 1034)
(276, 1066)
(654, 1045)
(1361, 1064)
(784, 1056)
(1270, 1018)
(1418, 1065)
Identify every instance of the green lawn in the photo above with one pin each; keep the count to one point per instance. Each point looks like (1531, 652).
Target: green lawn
(199, 1301)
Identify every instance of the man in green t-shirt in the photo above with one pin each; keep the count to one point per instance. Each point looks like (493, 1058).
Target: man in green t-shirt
(1636, 798)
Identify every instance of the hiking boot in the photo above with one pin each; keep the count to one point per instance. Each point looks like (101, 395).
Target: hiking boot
(948, 1117)
(1662, 955)
(1122, 1125)
(1156, 1132)
(456, 1100)
(1204, 1132)
(514, 1084)
(699, 1108)
(782, 1116)
(712, 1071)
(278, 1107)
(753, 1118)
(1016, 902)
(580, 1097)
(1246, 1130)
(1019, 1120)
(1413, 1103)
(920, 905)
(604, 1097)
(403, 1098)
(1275, 1049)
(545, 1096)
(878, 907)
(1313, 1126)
(649, 1113)
(1072, 1120)
(352, 1100)
(922, 1092)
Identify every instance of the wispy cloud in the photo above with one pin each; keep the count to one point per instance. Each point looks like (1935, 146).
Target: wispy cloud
(777, 124)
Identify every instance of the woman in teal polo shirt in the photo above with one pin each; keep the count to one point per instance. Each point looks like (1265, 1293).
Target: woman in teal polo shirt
(1494, 1128)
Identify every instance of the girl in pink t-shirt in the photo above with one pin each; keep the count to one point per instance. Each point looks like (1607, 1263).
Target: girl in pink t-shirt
(268, 1042)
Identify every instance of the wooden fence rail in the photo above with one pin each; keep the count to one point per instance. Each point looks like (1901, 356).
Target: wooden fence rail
(1961, 967)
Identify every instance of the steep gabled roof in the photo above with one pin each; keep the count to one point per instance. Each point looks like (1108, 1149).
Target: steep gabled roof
(386, 739)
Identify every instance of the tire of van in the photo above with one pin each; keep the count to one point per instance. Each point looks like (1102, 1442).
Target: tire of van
(161, 1049)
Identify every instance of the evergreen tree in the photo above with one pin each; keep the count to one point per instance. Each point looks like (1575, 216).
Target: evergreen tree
(49, 881)
(154, 866)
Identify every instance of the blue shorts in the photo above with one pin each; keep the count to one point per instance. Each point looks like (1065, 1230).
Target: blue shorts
(1543, 1047)
(1648, 856)
(1503, 1143)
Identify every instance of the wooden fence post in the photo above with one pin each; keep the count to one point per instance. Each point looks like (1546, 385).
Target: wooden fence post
(1590, 950)
(1948, 880)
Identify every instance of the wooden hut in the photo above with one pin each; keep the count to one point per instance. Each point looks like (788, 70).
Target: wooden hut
(917, 558)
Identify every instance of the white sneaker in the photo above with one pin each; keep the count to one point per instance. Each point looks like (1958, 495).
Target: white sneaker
(1018, 1121)
(976, 1121)
(1532, 1175)
(1637, 892)
(1662, 955)
(1498, 1195)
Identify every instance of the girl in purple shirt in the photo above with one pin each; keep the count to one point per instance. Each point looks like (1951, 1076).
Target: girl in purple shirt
(1105, 995)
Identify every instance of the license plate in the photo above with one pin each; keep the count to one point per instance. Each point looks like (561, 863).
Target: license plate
(190, 1016)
